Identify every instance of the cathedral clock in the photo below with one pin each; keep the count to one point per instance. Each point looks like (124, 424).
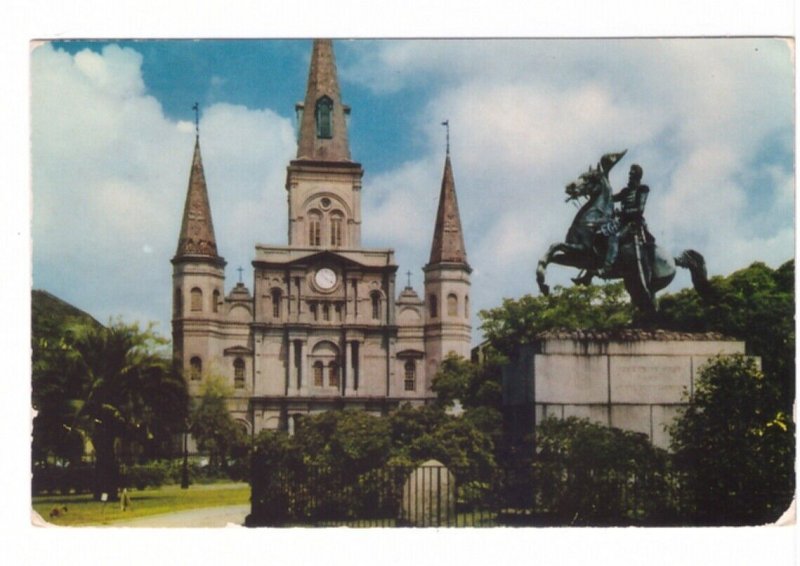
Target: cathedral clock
(325, 278)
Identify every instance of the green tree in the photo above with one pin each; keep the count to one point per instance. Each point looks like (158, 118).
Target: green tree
(734, 446)
(518, 321)
(52, 385)
(477, 387)
(212, 426)
(351, 441)
(110, 386)
(585, 473)
(755, 304)
(452, 380)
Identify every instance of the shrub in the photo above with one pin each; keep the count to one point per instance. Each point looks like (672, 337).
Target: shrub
(734, 446)
(590, 474)
(143, 476)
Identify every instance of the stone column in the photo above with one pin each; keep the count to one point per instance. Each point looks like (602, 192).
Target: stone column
(291, 389)
(349, 374)
(304, 374)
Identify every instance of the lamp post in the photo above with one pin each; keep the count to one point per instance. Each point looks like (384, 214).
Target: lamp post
(185, 469)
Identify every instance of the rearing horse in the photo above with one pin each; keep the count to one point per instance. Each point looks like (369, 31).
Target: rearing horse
(644, 267)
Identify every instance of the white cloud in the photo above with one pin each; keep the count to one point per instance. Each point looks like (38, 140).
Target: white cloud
(528, 117)
(701, 116)
(110, 173)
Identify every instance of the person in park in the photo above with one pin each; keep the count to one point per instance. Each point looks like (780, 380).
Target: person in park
(124, 500)
(633, 199)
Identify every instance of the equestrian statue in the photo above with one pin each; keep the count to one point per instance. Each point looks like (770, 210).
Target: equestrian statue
(615, 243)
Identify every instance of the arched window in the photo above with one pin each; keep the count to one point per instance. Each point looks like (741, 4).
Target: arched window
(215, 301)
(333, 374)
(376, 305)
(238, 373)
(466, 306)
(324, 115)
(276, 303)
(452, 305)
(410, 380)
(195, 368)
(433, 306)
(178, 303)
(336, 230)
(318, 368)
(326, 312)
(314, 229)
(197, 300)
(313, 308)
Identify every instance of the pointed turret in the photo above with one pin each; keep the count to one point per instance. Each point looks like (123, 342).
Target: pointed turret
(323, 127)
(197, 230)
(447, 281)
(448, 238)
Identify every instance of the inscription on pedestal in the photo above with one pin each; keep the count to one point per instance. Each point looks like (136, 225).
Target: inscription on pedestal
(649, 379)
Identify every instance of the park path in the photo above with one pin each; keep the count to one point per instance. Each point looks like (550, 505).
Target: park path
(231, 516)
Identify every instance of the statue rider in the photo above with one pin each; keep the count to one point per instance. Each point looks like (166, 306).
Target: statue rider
(631, 217)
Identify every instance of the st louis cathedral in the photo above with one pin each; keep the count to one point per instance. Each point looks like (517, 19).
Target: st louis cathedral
(323, 326)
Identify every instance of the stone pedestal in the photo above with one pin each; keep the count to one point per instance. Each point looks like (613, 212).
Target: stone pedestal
(630, 379)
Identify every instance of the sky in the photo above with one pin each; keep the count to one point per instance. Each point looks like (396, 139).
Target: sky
(711, 121)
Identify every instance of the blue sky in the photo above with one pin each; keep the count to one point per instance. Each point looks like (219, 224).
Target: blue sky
(711, 121)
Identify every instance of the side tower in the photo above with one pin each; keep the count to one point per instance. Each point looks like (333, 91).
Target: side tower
(198, 282)
(447, 282)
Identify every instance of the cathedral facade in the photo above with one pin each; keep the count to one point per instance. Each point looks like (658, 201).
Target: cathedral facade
(324, 326)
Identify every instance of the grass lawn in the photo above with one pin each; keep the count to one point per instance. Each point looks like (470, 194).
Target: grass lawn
(83, 511)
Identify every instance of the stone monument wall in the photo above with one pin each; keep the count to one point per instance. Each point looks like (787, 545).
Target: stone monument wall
(633, 379)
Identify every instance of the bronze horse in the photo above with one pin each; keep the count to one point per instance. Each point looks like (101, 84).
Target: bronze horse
(644, 266)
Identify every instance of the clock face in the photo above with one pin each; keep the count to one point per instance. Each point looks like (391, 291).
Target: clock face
(325, 278)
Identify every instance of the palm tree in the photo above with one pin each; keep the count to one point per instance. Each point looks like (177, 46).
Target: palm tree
(117, 389)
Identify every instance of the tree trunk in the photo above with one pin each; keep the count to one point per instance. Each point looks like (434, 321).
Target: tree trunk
(106, 467)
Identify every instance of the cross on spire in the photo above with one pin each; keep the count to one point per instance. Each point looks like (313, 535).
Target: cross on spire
(446, 124)
(240, 273)
(196, 109)
(408, 273)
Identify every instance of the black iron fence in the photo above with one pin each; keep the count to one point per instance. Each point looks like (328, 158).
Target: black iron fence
(432, 495)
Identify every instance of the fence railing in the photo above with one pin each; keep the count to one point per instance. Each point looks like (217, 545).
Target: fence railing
(433, 495)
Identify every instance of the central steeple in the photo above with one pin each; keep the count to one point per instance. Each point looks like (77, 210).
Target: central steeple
(323, 183)
(323, 126)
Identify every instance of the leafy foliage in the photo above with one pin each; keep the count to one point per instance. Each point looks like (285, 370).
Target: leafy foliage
(109, 387)
(517, 321)
(213, 427)
(586, 473)
(355, 441)
(735, 446)
(345, 440)
(755, 304)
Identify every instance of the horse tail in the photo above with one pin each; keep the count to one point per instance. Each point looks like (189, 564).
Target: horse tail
(696, 264)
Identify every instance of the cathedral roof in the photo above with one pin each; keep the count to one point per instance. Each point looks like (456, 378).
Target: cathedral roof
(323, 127)
(408, 295)
(448, 237)
(197, 230)
(239, 293)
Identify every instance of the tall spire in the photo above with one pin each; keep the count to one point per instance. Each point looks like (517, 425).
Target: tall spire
(448, 238)
(197, 229)
(323, 127)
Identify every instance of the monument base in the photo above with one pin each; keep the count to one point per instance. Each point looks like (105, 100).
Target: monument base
(631, 379)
